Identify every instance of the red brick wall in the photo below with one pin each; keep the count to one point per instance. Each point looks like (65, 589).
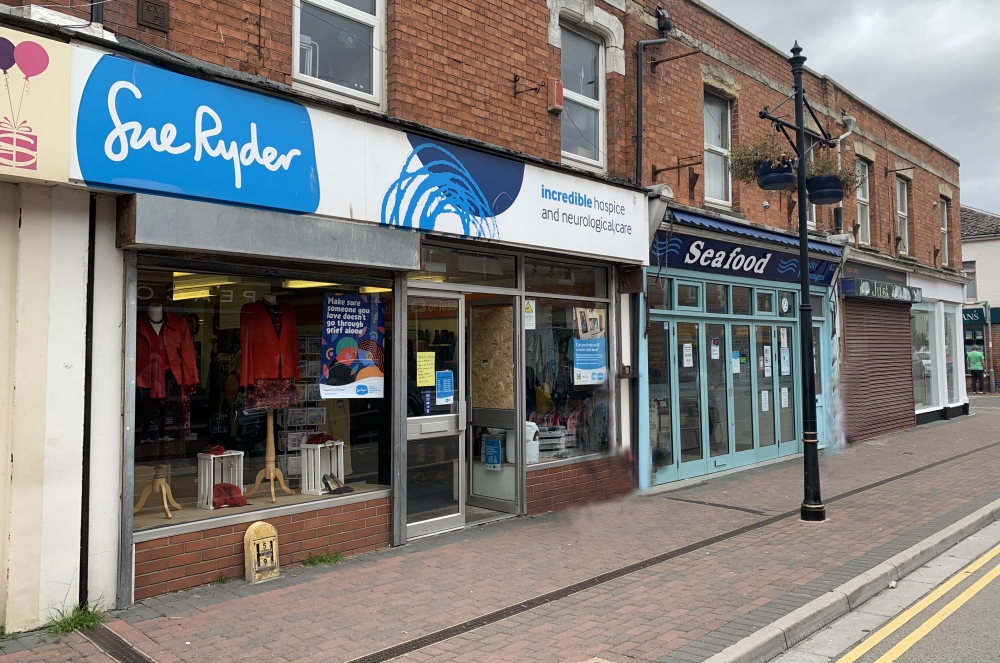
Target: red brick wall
(557, 488)
(186, 560)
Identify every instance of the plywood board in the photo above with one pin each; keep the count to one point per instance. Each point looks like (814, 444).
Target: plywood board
(491, 353)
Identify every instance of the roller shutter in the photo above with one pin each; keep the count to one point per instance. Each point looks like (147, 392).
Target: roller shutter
(877, 371)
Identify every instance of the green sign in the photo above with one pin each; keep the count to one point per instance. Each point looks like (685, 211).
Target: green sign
(973, 316)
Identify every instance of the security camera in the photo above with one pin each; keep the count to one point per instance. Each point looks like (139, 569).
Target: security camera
(663, 22)
(767, 205)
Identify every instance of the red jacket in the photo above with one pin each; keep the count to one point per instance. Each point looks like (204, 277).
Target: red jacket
(172, 349)
(265, 355)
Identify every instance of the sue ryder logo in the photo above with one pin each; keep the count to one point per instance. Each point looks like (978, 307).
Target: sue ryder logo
(735, 261)
(119, 140)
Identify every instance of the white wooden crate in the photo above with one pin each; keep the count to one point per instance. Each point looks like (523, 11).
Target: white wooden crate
(320, 459)
(226, 467)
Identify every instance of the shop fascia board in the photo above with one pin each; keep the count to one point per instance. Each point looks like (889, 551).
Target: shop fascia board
(146, 221)
(888, 262)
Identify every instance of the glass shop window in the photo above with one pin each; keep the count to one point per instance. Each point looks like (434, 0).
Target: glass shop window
(688, 295)
(568, 383)
(658, 292)
(741, 300)
(243, 379)
(446, 265)
(923, 341)
(715, 298)
(765, 303)
(786, 304)
(565, 279)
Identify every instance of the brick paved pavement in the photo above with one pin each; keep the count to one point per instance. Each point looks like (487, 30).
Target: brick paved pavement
(680, 608)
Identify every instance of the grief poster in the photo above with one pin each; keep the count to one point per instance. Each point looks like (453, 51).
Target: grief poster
(353, 346)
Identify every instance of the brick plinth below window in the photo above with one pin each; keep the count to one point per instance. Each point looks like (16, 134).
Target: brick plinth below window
(197, 558)
(556, 488)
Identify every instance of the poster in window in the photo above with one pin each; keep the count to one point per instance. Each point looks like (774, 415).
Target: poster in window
(353, 364)
(590, 350)
(784, 361)
(491, 453)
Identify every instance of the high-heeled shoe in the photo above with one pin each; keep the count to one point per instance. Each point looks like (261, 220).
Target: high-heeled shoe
(335, 485)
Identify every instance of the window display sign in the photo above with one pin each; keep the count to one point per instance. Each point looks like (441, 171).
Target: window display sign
(425, 369)
(444, 391)
(353, 346)
(491, 453)
(590, 364)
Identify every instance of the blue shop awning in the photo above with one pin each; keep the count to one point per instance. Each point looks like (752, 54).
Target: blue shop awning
(708, 223)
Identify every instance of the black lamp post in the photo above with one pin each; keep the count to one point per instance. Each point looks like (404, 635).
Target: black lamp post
(812, 504)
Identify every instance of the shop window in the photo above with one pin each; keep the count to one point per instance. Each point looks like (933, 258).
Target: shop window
(566, 368)
(715, 298)
(765, 303)
(717, 145)
(688, 296)
(583, 98)
(565, 279)
(337, 46)
(954, 364)
(741, 300)
(786, 304)
(924, 365)
(658, 292)
(221, 357)
(660, 420)
(864, 209)
(903, 214)
(819, 306)
(446, 265)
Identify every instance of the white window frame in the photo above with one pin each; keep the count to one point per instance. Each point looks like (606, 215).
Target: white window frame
(722, 151)
(903, 214)
(944, 231)
(865, 229)
(313, 84)
(971, 273)
(599, 105)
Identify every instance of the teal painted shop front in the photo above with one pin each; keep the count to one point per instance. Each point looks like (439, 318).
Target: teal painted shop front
(720, 350)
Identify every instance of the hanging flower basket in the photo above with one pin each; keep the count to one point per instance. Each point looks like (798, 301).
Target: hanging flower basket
(773, 176)
(825, 189)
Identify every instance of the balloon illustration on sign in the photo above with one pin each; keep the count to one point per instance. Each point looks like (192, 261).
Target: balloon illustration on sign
(18, 145)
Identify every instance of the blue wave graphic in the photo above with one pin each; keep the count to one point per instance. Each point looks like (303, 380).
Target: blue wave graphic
(425, 191)
(788, 265)
(675, 246)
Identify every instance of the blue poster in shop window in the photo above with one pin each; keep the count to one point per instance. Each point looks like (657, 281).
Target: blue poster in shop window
(590, 364)
(444, 388)
(491, 453)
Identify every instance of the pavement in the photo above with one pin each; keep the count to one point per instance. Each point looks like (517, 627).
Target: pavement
(673, 577)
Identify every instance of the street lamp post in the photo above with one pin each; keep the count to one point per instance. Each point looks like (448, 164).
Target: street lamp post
(812, 504)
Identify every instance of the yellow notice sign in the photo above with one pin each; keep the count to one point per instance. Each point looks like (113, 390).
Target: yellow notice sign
(425, 369)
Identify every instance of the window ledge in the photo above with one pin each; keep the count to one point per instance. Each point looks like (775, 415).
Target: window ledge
(300, 84)
(251, 516)
(559, 462)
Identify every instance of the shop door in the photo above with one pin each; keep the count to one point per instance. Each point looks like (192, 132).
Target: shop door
(718, 391)
(818, 354)
(495, 427)
(435, 425)
(784, 395)
(767, 439)
(661, 423)
(692, 415)
(742, 364)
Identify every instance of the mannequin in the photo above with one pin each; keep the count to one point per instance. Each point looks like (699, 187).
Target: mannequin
(269, 355)
(166, 375)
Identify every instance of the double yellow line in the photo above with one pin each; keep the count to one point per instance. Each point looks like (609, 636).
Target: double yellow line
(918, 607)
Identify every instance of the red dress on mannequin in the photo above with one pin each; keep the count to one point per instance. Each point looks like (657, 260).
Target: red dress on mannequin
(166, 373)
(269, 355)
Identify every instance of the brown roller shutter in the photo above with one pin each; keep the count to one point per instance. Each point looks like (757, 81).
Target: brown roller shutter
(876, 375)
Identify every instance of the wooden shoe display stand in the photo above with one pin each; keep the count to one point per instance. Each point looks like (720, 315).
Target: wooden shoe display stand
(271, 471)
(159, 486)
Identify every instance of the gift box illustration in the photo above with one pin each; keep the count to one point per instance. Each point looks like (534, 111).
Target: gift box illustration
(18, 142)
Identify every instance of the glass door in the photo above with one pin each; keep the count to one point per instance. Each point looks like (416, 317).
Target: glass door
(742, 367)
(766, 432)
(788, 439)
(818, 380)
(495, 427)
(661, 430)
(435, 424)
(717, 370)
(691, 413)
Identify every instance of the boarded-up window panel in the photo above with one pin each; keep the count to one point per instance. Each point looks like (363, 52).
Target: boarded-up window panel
(492, 357)
(877, 371)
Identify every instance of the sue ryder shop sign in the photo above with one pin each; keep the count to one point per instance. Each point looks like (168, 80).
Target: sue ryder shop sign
(715, 256)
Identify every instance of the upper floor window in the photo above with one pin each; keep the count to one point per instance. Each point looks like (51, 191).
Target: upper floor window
(337, 46)
(810, 209)
(943, 204)
(583, 98)
(969, 267)
(864, 210)
(718, 135)
(902, 214)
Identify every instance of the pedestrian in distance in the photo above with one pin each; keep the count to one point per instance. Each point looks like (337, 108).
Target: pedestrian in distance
(975, 361)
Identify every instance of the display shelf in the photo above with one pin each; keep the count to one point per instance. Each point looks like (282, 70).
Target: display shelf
(319, 460)
(213, 469)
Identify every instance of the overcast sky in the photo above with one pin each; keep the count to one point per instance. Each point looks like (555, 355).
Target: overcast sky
(931, 65)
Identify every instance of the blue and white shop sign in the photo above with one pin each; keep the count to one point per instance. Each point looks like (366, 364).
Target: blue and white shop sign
(136, 127)
(716, 256)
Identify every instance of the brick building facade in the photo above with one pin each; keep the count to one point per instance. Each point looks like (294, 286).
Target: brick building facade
(485, 76)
